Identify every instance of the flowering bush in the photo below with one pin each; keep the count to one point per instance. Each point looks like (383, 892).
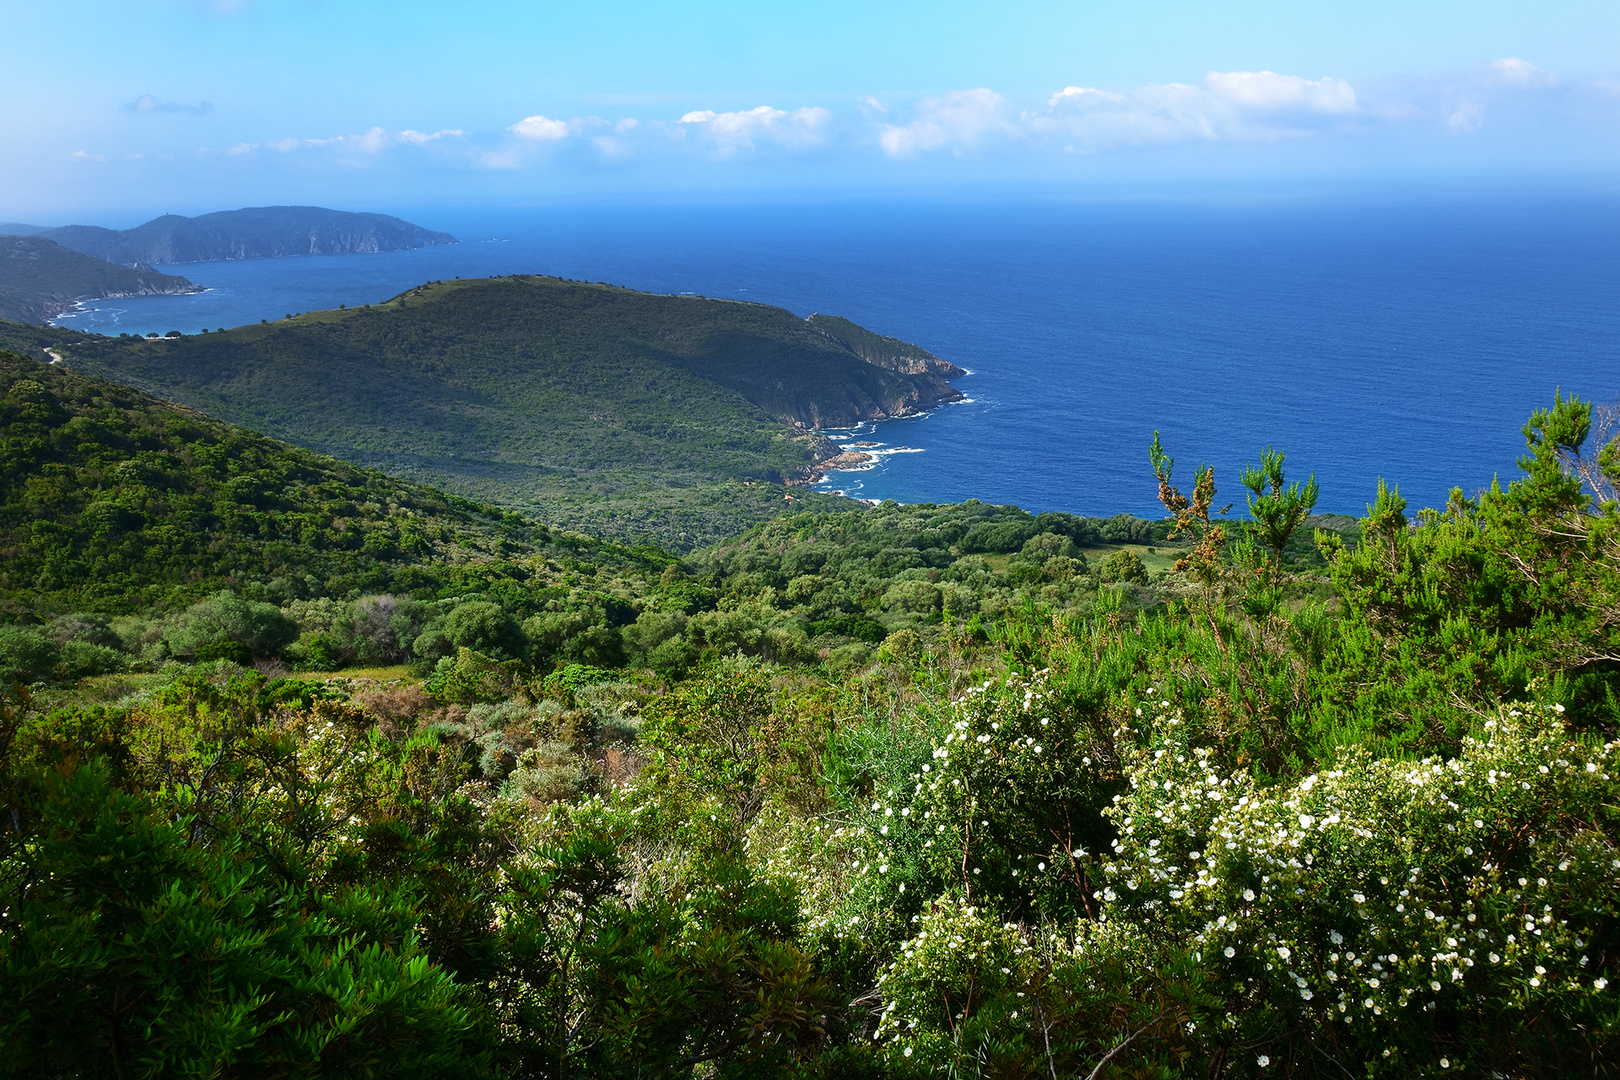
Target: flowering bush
(1393, 917)
(1407, 915)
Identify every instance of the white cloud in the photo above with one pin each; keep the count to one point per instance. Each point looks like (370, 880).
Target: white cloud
(367, 144)
(961, 120)
(1228, 105)
(540, 129)
(1072, 94)
(418, 138)
(741, 130)
(1520, 73)
(1266, 91)
(374, 141)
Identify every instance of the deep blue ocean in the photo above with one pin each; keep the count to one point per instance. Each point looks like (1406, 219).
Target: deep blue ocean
(1403, 339)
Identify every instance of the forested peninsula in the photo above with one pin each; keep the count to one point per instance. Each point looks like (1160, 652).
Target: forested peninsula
(667, 419)
(40, 279)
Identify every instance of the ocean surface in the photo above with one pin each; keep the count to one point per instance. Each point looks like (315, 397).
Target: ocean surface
(1375, 338)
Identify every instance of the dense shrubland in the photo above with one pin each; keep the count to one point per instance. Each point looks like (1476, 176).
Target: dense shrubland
(899, 792)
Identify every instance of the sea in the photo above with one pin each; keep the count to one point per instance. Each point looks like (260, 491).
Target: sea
(1366, 337)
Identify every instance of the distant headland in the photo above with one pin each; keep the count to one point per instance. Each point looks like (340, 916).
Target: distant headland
(259, 232)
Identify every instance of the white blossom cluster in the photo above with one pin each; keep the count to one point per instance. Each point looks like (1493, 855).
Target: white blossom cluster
(1379, 887)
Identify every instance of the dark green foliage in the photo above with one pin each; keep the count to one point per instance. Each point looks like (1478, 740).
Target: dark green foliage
(113, 501)
(851, 626)
(234, 651)
(125, 950)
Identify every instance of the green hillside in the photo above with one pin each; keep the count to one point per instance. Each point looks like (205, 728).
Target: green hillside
(112, 501)
(39, 280)
(619, 412)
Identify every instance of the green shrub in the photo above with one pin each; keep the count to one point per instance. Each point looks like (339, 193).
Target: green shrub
(225, 617)
(26, 654)
(1123, 565)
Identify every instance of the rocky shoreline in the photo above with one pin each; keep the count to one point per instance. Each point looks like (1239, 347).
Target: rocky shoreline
(41, 280)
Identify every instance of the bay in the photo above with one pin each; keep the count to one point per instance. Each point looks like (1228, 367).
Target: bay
(1399, 338)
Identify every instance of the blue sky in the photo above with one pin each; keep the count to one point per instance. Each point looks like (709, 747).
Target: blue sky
(118, 109)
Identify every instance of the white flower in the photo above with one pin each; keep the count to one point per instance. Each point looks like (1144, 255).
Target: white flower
(1599, 983)
(907, 1051)
(1230, 952)
(1248, 894)
(1263, 1060)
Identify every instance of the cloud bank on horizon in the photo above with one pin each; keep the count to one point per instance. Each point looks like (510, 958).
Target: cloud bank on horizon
(1224, 107)
(1505, 114)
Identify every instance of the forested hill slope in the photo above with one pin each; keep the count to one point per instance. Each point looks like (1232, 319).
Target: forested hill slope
(40, 279)
(252, 233)
(619, 412)
(111, 500)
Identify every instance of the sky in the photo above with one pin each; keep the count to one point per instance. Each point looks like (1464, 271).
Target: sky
(115, 110)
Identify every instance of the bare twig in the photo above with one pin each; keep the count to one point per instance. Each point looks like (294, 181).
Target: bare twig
(1111, 1054)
